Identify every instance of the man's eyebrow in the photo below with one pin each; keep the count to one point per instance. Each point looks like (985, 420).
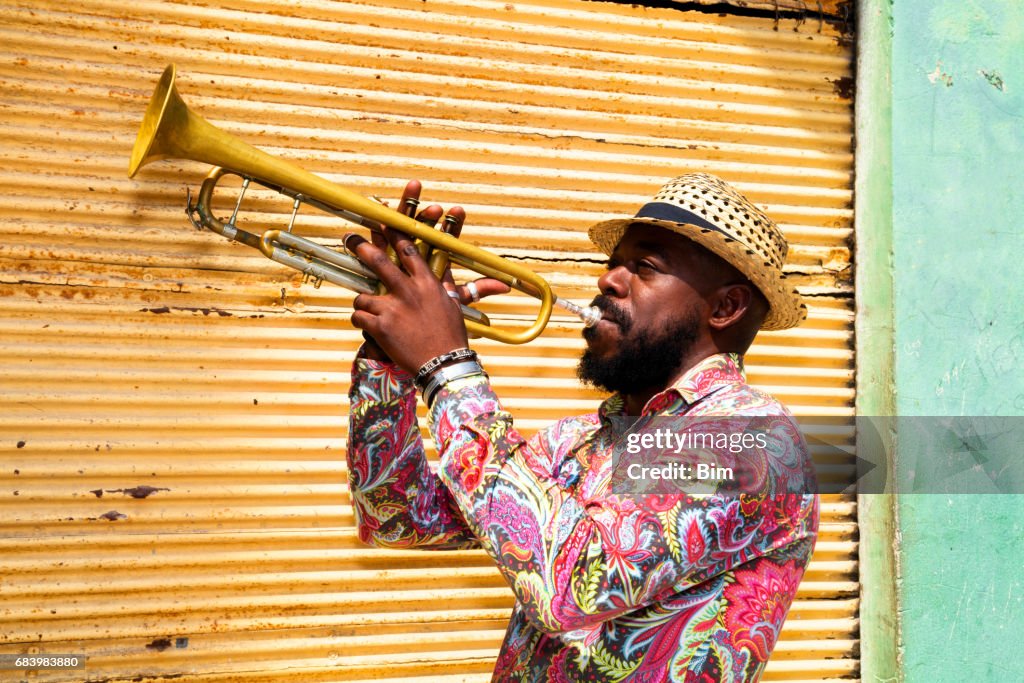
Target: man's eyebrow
(645, 246)
(658, 248)
(649, 245)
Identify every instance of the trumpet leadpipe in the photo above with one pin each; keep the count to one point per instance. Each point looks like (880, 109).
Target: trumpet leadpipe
(588, 314)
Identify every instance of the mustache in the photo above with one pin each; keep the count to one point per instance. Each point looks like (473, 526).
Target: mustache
(612, 312)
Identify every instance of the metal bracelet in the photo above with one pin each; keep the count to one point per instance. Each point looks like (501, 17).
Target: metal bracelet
(434, 363)
(449, 373)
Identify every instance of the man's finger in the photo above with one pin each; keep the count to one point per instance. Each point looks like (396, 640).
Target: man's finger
(378, 239)
(410, 198)
(376, 260)
(430, 215)
(361, 320)
(479, 289)
(370, 303)
(452, 225)
(407, 206)
(454, 220)
(408, 254)
(439, 262)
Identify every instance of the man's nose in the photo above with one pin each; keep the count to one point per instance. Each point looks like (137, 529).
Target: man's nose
(614, 282)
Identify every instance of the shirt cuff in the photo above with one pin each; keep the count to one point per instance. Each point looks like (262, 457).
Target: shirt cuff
(378, 380)
(460, 402)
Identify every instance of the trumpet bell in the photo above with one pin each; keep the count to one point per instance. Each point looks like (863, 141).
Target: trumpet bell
(152, 143)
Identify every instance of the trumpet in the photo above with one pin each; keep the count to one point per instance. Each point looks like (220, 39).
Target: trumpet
(169, 130)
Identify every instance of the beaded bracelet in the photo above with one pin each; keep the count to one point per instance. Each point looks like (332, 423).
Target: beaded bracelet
(434, 363)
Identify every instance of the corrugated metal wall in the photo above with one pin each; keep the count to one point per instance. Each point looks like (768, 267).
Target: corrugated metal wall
(172, 488)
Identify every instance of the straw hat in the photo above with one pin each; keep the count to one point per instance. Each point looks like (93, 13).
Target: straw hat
(713, 214)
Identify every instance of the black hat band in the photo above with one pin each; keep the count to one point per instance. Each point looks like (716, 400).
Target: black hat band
(671, 212)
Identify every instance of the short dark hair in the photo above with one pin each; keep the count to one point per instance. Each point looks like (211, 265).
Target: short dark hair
(742, 334)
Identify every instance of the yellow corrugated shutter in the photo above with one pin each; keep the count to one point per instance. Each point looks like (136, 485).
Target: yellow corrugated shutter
(173, 411)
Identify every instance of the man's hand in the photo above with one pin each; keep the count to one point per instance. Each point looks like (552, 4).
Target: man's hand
(417, 319)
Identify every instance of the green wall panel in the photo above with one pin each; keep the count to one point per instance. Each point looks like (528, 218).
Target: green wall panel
(957, 245)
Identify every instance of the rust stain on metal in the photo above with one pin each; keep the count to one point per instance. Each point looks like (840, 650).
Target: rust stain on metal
(843, 87)
(160, 644)
(832, 11)
(205, 311)
(136, 492)
(111, 516)
(97, 492)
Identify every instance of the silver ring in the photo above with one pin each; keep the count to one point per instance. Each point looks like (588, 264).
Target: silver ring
(474, 294)
(454, 295)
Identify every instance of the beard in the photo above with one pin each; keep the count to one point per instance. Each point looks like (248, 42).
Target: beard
(644, 359)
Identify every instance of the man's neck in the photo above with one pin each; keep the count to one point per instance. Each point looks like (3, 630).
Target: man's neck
(634, 403)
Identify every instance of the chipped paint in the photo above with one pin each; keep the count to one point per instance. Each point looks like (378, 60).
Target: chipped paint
(137, 492)
(159, 645)
(994, 79)
(112, 516)
(844, 87)
(940, 76)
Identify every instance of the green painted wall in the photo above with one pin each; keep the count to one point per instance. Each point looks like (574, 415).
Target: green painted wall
(958, 208)
(873, 260)
(957, 251)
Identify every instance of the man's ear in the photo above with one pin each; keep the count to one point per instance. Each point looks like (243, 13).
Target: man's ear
(729, 304)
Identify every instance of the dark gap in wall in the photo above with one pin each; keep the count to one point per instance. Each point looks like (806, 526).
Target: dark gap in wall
(842, 19)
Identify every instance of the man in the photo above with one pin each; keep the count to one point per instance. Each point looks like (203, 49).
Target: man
(609, 587)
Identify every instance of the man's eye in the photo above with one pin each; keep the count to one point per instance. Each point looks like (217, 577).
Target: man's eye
(645, 265)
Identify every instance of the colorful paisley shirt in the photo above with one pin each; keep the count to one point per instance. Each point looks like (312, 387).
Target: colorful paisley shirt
(608, 587)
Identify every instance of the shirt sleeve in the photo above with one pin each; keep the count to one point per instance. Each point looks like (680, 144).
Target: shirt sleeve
(397, 499)
(576, 561)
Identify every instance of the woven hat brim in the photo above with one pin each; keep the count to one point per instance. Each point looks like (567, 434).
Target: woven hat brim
(785, 306)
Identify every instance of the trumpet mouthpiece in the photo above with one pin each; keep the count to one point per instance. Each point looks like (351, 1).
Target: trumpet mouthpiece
(588, 314)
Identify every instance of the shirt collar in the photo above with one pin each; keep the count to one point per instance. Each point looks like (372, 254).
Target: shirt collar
(703, 379)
